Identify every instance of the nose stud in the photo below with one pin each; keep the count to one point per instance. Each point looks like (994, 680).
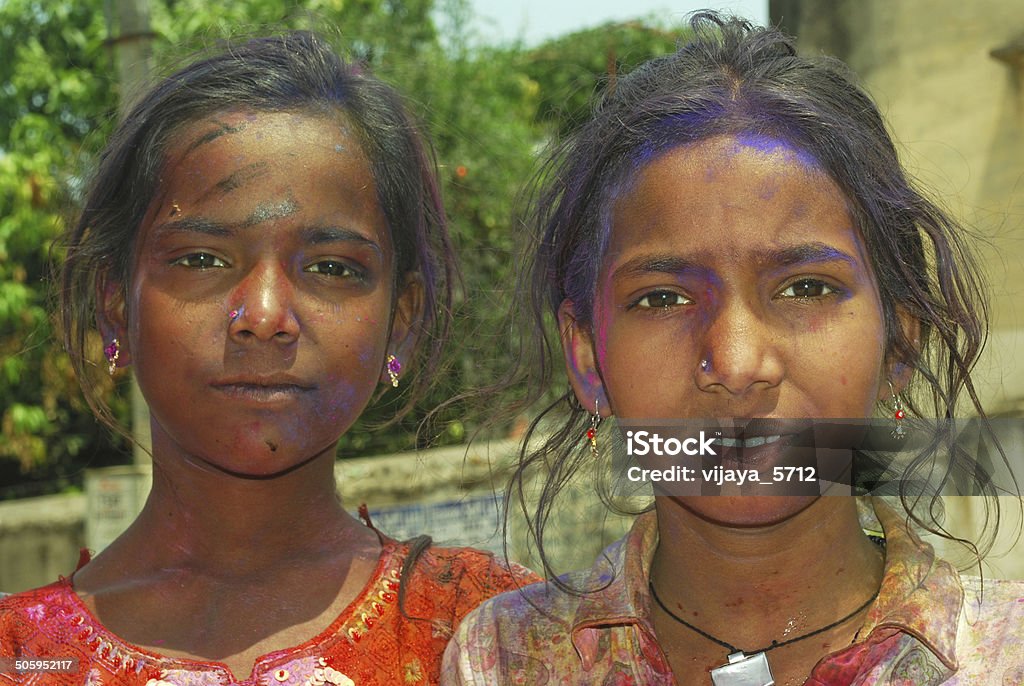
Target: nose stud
(235, 313)
(704, 365)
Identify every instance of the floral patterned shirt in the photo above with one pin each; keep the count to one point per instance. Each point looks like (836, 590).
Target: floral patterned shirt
(371, 643)
(928, 626)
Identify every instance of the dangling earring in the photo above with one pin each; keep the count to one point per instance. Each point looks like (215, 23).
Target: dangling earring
(595, 420)
(393, 367)
(112, 351)
(899, 414)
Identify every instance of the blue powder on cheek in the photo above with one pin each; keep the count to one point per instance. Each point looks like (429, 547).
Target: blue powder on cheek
(337, 407)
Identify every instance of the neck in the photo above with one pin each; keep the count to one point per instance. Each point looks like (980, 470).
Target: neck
(226, 524)
(751, 585)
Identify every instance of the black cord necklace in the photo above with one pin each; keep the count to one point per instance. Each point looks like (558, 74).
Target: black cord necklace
(749, 668)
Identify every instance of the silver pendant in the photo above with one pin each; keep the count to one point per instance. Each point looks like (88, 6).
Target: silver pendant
(744, 670)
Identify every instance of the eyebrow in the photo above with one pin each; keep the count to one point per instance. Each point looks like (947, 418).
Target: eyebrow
(195, 225)
(316, 235)
(657, 264)
(805, 253)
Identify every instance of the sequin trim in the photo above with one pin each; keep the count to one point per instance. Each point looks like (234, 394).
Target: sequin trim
(384, 594)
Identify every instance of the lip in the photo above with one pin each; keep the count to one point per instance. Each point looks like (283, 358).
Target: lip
(755, 452)
(748, 442)
(760, 442)
(263, 389)
(748, 428)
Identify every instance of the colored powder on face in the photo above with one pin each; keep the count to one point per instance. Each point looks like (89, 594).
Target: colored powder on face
(769, 145)
(268, 211)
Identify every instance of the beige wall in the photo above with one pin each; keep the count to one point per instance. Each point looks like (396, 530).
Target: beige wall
(958, 116)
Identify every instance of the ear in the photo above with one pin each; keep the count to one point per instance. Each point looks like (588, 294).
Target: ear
(581, 360)
(898, 371)
(408, 313)
(111, 316)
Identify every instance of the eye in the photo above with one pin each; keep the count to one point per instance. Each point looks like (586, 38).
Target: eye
(200, 260)
(662, 300)
(331, 268)
(807, 288)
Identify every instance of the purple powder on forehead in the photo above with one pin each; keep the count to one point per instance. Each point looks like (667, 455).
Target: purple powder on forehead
(674, 130)
(770, 145)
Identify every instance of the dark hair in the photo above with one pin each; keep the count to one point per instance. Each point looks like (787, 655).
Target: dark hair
(734, 79)
(296, 72)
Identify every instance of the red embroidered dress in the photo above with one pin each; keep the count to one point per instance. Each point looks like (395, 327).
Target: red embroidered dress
(370, 644)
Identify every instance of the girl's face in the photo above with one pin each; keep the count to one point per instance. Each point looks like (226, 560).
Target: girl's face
(735, 285)
(260, 305)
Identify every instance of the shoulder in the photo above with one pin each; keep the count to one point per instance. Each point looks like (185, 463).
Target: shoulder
(541, 610)
(34, 606)
(553, 606)
(476, 568)
(469, 575)
(41, 624)
(994, 606)
(446, 583)
(990, 631)
(520, 633)
(522, 636)
(544, 633)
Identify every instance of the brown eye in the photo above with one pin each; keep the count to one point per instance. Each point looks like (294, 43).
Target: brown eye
(200, 260)
(662, 300)
(331, 268)
(807, 288)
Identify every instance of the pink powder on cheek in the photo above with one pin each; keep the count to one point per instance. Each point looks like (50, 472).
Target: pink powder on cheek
(337, 408)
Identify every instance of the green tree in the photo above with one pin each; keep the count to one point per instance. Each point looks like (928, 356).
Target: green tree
(55, 109)
(571, 70)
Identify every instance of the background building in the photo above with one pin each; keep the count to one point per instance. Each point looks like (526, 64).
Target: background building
(948, 77)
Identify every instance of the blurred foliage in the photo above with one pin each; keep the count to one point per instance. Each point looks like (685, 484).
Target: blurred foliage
(489, 109)
(56, 101)
(575, 68)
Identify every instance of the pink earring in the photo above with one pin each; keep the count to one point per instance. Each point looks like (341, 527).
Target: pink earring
(393, 367)
(112, 352)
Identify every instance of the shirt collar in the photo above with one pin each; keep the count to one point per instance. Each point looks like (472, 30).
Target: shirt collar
(920, 595)
(621, 575)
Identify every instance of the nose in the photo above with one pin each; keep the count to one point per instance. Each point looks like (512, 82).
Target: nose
(262, 306)
(740, 350)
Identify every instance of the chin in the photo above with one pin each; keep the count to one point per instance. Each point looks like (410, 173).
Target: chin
(747, 511)
(258, 470)
(258, 457)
